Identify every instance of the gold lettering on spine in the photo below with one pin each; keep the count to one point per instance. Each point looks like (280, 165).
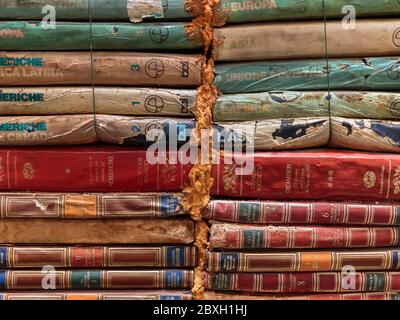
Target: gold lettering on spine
(288, 178)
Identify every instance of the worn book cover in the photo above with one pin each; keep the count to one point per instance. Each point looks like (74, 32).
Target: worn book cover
(303, 261)
(90, 205)
(110, 231)
(243, 11)
(97, 279)
(76, 129)
(37, 36)
(226, 236)
(304, 212)
(373, 74)
(20, 257)
(271, 41)
(99, 10)
(28, 68)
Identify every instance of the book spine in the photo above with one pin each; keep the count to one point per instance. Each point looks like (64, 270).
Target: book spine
(377, 260)
(89, 169)
(319, 213)
(79, 100)
(90, 206)
(344, 74)
(98, 231)
(236, 236)
(299, 104)
(20, 35)
(279, 134)
(264, 41)
(99, 10)
(270, 105)
(304, 282)
(97, 257)
(211, 295)
(239, 11)
(98, 295)
(96, 279)
(126, 130)
(309, 175)
(47, 130)
(75, 68)
(365, 134)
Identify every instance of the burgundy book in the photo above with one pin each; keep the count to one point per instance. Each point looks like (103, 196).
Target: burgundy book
(304, 212)
(87, 169)
(304, 282)
(242, 236)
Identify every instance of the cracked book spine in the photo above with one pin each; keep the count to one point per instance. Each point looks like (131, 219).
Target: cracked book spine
(21, 35)
(90, 205)
(286, 40)
(378, 73)
(109, 231)
(239, 11)
(27, 68)
(99, 10)
(227, 236)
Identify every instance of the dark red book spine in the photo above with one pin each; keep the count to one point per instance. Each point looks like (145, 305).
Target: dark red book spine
(87, 169)
(304, 282)
(329, 175)
(304, 212)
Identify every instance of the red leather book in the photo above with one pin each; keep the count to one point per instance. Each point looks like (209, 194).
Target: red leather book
(323, 174)
(241, 236)
(304, 282)
(87, 169)
(304, 212)
(303, 261)
(211, 295)
(97, 295)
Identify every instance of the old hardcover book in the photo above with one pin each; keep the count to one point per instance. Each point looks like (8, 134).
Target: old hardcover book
(47, 130)
(296, 212)
(90, 169)
(90, 205)
(118, 68)
(301, 104)
(96, 279)
(98, 295)
(306, 261)
(226, 236)
(16, 257)
(286, 40)
(107, 100)
(344, 74)
(239, 11)
(365, 134)
(143, 131)
(99, 10)
(21, 35)
(212, 295)
(313, 175)
(279, 134)
(304, 282)
(271, 105)
(110, 231)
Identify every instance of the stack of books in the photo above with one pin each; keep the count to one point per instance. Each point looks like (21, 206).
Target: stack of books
(92, 74)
